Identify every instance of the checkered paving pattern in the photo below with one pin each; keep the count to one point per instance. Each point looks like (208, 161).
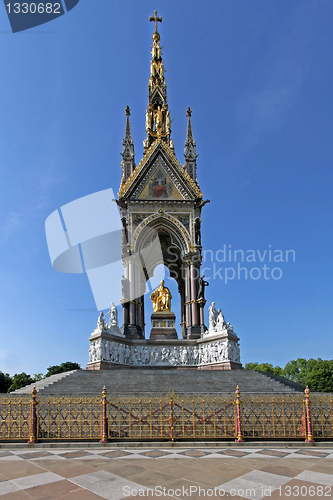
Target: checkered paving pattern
(165, 473)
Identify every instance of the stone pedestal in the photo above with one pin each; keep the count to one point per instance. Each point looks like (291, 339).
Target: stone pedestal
(215, 349)
(163, 326)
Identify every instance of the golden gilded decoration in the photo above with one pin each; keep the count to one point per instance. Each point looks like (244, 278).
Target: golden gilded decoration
(193, 185)
(161, 298)
(156, 20)
(166, 416)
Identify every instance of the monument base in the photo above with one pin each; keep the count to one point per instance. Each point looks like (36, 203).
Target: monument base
(216, 351)
(163, 326)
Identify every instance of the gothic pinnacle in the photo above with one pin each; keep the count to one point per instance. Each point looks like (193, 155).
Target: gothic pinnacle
(158, 121)
(190, 153)
(128, 135)
(189, 134)
(128, 164)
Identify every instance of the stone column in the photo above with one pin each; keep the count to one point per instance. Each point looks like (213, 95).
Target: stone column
(193, 329)
(132, 309)
(194, 306)
(133, 325)
(182, 309)
(143, 313)
(188, 315)
(125, 297)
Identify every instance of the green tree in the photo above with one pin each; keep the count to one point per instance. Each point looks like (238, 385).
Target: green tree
(63, 367)
(299, 370)
(5, 381)
(251, 366)
(321, 377)
(20, 380)
(265, 368)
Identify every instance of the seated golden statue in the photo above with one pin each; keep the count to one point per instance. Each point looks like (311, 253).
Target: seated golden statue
(161, 298)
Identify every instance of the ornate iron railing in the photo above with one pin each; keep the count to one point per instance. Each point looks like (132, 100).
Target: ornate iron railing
(169, 417)
(270, 417)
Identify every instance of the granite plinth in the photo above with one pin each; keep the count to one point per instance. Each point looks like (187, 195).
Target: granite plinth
(163, 326)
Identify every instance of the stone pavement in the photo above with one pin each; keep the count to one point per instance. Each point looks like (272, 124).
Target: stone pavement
(88, 473)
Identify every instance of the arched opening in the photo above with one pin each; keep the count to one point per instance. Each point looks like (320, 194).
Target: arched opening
(172, 248)
(161, 272)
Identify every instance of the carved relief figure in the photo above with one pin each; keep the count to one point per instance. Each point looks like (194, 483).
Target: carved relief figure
(121, 358)
(92, 352)
(98, 347)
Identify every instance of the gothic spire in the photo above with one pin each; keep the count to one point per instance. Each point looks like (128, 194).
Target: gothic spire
(158, 122)
(127, 164)
(190, 153)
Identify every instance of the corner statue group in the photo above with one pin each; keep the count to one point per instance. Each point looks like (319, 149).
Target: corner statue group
(161, 298)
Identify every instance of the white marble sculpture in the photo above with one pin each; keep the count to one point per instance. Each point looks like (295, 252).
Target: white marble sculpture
(112, 328)
(219, 351)
(113, 315)
(217, 323)
(101, 325)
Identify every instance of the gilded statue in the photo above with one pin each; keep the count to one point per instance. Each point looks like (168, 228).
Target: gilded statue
(161, 298)
(158, 119)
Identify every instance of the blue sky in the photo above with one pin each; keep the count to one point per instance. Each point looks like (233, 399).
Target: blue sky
(258, 77)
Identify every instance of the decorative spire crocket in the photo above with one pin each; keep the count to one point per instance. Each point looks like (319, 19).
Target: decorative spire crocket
(158, 122)
(128, 163)
(190, 153)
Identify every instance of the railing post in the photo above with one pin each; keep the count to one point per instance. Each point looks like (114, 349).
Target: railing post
(33, 417)
(172, 435)
(309, 437)
(105, 426)
(238, 418)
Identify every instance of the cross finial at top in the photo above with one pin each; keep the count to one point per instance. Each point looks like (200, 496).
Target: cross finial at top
(155, 19)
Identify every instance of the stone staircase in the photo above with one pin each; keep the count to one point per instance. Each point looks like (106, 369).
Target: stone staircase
(128, 381)
(45, 383)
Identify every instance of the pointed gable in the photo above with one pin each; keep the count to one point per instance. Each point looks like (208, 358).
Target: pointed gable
(159, 176)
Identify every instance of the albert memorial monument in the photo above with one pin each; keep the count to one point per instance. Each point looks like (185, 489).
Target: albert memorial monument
(160, 204)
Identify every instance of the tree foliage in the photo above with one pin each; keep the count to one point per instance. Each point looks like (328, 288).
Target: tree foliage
(10, 384)
(299, 370)
(316, 373)
(63, 367)
(5, 381)
(265, 368)
(321, 377)
(20, 380)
